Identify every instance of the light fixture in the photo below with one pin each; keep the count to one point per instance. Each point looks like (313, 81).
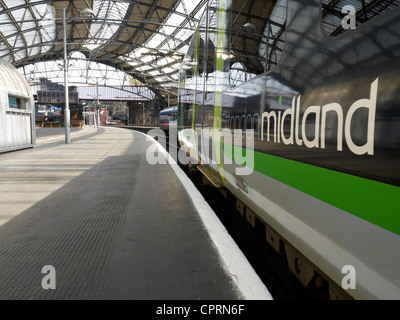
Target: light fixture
(249, 25)
(87, 12)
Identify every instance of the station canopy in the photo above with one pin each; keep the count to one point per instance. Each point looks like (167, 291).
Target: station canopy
(121, 43)
(115, 43)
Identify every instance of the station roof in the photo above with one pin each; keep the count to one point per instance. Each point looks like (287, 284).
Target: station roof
(128, 42)
(119, 43)
(364, 10)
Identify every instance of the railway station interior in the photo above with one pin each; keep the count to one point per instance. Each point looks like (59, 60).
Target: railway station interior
(199, 150)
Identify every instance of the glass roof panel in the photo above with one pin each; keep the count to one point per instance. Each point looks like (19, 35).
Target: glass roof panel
(144, 38)
(109, 13)
(175, 19)
(25, 27)
(365, 11)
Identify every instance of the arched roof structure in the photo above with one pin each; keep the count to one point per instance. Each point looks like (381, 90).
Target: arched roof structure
(144, 39)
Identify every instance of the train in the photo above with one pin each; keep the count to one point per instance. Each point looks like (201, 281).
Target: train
(294, 108)
(168, 118)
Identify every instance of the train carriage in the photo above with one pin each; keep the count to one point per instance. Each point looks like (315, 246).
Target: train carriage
(168, 118)
(319, 99)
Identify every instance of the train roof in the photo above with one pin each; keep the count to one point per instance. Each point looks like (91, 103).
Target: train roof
(168, 109)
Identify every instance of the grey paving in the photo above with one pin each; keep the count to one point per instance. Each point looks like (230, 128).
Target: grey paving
(113, 226)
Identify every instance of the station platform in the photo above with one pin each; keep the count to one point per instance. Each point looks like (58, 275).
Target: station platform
(111, 226)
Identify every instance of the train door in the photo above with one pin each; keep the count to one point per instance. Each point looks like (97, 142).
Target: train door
(202, 74)
(187, 88)
(207, 40)
(201, 69)
(207, 87)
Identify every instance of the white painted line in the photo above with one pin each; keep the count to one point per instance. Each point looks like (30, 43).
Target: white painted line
(235, 262)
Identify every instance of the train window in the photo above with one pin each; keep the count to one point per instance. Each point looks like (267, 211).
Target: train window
(340, 16)
(257, 37)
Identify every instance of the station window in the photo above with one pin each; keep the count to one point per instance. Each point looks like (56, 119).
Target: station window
(336, 14)
(16, 103)
(257, 37)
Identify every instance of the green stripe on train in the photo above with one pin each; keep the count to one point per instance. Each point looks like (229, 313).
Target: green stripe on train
(373, 201)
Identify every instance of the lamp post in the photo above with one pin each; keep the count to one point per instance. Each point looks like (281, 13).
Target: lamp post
(98, 106)
(67, 113)
(143, 113)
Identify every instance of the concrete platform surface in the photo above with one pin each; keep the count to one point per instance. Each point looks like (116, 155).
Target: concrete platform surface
(93, 220)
